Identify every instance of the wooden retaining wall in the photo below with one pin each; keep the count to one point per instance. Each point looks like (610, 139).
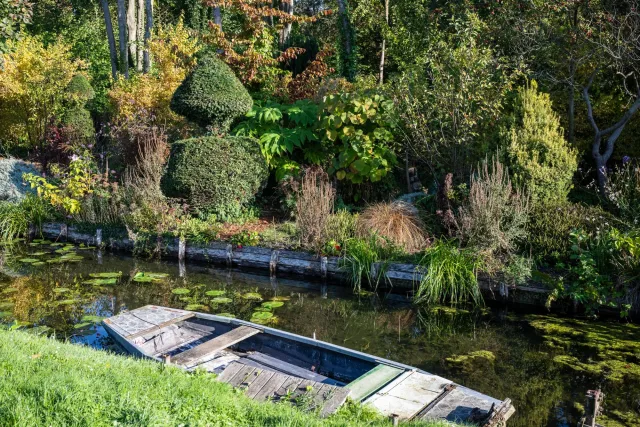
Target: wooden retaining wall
(293, 263)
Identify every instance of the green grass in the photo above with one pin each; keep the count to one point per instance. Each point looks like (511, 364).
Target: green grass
(44, 382)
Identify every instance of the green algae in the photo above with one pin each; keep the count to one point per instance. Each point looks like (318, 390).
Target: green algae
(475, 360)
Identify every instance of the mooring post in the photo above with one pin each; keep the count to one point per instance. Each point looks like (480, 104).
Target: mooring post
(323, 267)
(99, 237)
(64, 232)
(99, 256)
(182, 248)
(273, 263)
(395, 419)
(229, 255)
(167, 359)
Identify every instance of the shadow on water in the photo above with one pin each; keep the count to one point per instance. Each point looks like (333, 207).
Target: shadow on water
(543, 363)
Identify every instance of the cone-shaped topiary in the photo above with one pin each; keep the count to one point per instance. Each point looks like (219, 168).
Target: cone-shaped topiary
(539, 157)
(211, 95)
(216, 175)
(80, 89)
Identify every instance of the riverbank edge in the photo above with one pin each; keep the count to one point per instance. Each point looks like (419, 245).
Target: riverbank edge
(49, 382)
(288, 263)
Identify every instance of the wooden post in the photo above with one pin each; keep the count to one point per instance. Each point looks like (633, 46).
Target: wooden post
(182, 268)
(229, 254)
(99, 256)
(99, 237)
(182, 248)
(166, 358)
(395, 419)
(64, 232)
(592, 409)
(273, 263)
(323, 267)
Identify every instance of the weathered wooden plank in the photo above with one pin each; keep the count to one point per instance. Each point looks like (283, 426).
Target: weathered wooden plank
(262, 380)
(241, 376)
(372, 381)
(445, 392)
(458, 405)
(269, 390)
(407, 395)
(288, 387)
(160, 326)
(210, 347)
(334, 401)
(167, 340)
(230, 371)
(128, 323)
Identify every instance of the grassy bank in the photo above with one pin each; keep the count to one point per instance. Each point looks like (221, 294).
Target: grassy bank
(46, 382)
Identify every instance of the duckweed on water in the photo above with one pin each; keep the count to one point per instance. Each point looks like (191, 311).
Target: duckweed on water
(472, 361)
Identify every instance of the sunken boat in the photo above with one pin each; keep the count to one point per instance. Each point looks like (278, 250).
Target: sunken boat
(270, 364)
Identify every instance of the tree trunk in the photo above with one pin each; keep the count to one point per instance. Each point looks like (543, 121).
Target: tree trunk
(140, 35)
(346, 36)
(572, 101)
(132, 30)
(112, 41)
(287, 7)
(122, 38)
(148, 11)
(384, 42)
(217, 17)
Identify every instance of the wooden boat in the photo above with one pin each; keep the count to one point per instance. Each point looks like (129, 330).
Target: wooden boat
(273, 364)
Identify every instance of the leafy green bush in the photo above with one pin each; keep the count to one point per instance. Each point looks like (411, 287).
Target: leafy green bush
(80, 90)
(287, 134)
(359, 126)
(216, 175)
(450, 275)
(211, 95)
(540, 158)
(550, 226)
(78, 123)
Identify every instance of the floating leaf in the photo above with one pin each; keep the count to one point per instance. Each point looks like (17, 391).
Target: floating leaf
(60, 290)
(221, 300)
(100, 282)
(143, 277)
(253, 296)
(226, 315)
(28, 260)
(39, 253)
(195, 307)
(57, 244)
(264, 321)
(38, 264)
(261, 315)
(280, 298)
(272, 304)
(215, 293)
(262, 309)
(180, 291)
(108, 275)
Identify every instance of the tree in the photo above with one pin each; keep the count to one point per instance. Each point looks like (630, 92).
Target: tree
(618, 39)
(132, 30)
(122, 38)
(540, 159)
(148, 12)
(33, 89)
(111, 39)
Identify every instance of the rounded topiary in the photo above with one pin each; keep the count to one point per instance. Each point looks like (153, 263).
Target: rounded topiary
(80, 89)
(211, 95)
(216, 175)
(79, 123)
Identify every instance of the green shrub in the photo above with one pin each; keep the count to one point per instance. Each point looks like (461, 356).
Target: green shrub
(216, 175)
(623, 191)
(80, 90)
(450, 275)
(211, 95)
(540, 158)
(550, 226)
(78, 123)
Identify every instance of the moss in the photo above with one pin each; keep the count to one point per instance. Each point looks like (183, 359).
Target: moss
(469, 362)
(607, 350)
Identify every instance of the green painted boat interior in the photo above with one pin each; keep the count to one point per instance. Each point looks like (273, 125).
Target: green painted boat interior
(543, 362)
(372, 381)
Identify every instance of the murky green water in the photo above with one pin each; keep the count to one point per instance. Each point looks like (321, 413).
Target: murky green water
(543, 363)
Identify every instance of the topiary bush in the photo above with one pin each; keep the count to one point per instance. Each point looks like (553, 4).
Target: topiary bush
(80, 90)
(78, 123)
(211, 95)
(540, 158)
(216, 175)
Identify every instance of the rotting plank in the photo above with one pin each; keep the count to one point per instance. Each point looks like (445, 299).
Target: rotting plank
(372, 381)
(458, 405)
(128, 323)
(160, 326)
(263, 379)
(335, 400)
(271, 387)
(230, 371)
(288, 368)
(241, 377)
(209, 348)
(288, 387)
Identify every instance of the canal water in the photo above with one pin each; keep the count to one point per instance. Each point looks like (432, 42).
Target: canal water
(544, 363)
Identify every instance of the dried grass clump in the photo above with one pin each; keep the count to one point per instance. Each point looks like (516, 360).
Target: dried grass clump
(313, 207)
(397, 221)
